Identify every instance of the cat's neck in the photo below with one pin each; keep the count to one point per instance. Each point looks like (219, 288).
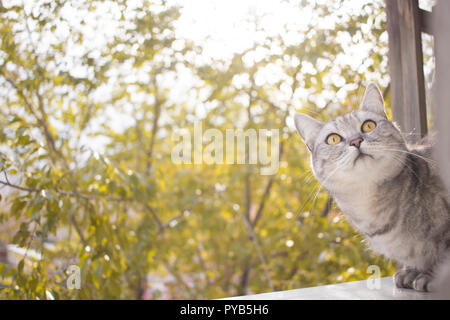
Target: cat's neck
(365, 205)
(356, 202)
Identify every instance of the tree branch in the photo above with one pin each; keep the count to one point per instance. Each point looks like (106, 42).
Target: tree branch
(65, 193)
(266, 193)
(155, 216)
(155, 128)
(258, 250)
(41, 122)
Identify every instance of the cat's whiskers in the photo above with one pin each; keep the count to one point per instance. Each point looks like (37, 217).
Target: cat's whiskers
(428, 160)
(315, 187)
(315, 196)
(403, 162)
(340, 163)
(309, 176)
(410, 133)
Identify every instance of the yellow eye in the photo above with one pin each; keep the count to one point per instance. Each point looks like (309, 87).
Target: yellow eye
(368, 126)
(333, 139)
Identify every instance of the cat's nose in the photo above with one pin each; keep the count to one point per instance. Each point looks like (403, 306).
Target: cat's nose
(356, 142)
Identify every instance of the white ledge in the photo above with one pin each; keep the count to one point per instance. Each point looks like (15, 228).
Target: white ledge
(357, 290)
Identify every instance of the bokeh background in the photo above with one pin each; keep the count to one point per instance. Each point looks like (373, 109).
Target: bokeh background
(91, 93)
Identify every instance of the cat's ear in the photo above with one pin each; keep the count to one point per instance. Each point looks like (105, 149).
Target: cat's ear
(308, 128)
(373, 100)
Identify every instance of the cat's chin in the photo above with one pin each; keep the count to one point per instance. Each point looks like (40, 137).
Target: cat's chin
(362, 157)
(362, 168)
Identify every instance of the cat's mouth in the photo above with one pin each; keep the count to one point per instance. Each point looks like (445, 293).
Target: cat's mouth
(361, 156)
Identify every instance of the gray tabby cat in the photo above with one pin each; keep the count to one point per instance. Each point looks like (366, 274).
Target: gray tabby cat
(389, 190)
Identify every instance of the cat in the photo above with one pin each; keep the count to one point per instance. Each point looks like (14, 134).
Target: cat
(388, 189)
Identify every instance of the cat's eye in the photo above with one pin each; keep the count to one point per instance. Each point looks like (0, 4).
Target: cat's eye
(333, 139)
(368, 126)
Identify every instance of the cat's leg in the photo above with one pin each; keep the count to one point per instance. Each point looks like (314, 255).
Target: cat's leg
(404, 277)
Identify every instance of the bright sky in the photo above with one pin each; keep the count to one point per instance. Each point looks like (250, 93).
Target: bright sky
(225, 27)
(222, 28)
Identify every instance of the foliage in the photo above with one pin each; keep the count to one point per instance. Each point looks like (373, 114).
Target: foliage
(84, 186)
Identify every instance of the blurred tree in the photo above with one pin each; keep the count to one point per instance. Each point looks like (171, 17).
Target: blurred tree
(90, 96)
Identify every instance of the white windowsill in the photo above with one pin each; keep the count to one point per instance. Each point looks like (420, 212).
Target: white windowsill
(357, 290)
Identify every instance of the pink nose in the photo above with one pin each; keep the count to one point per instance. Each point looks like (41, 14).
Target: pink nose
(356, 142)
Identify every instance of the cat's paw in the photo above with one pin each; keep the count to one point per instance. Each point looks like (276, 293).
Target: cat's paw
(404, 278)
(423, 282)
(409, 278)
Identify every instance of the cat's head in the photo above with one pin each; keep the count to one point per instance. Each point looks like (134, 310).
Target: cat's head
(356, 148)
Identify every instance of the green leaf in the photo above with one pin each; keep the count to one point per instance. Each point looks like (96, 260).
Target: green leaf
(17, 207)
(20, 265)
